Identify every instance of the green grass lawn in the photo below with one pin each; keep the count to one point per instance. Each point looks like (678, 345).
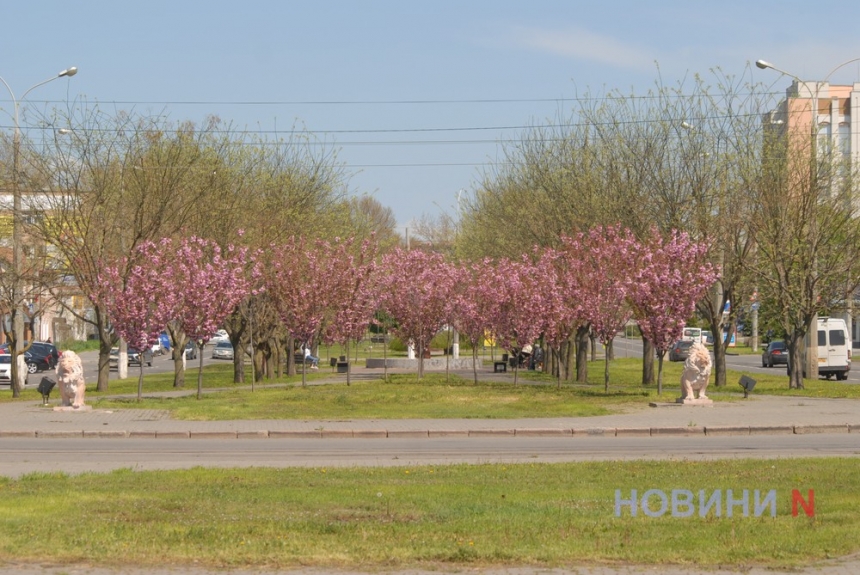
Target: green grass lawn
(458, 516)
(437, 395)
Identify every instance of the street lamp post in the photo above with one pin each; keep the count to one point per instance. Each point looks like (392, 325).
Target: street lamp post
(811, 336)
(17, 241)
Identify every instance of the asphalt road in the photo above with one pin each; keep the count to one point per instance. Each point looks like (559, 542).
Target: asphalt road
(25, 455)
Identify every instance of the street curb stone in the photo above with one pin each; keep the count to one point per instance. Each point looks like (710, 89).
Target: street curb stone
(806, 429)
(727, 430)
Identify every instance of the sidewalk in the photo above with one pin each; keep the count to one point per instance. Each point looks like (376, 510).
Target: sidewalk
(755, 415)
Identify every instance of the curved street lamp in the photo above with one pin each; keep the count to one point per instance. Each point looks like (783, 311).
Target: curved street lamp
(17, 247)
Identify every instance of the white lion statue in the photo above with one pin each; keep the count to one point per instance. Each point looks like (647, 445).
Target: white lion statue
(70, 377)
(697, 372)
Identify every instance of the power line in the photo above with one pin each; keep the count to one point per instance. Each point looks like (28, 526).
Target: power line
(423, 102)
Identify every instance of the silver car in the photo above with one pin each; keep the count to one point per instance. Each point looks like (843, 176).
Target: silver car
(222, 350)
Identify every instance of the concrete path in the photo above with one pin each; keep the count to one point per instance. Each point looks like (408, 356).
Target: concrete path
(754, 415)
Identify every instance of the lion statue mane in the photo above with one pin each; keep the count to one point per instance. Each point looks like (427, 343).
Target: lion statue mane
(697, 372)
(70, 377)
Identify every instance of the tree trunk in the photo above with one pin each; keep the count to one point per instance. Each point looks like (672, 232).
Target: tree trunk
(582, 354)
(796, 359)
(647, 362)
(606, 373)
(348, 362)
(238, 362)
(199, 371)
(104, 365)
(178, 367)
(719, 362)
(140, 378)
(291, 356)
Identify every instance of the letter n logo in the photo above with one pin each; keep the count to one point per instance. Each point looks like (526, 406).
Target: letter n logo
(808, 505)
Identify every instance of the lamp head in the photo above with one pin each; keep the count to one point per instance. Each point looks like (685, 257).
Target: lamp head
(68, 72)
(763, 64)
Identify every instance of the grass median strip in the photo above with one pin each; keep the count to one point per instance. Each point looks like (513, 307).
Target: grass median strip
(493, 514)
(402, 397)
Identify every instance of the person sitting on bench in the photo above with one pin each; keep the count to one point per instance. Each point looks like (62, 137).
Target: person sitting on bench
(311, 359)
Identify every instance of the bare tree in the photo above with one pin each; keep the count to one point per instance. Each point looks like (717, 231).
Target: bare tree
(807, 234)
(108, 184)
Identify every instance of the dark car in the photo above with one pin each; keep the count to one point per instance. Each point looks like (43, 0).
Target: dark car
(38, 362)
(135, 357)
(47, 350)
(41, 356)
(775, 353)
(680, 350)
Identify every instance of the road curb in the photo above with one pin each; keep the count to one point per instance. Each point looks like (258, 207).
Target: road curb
(670, 431)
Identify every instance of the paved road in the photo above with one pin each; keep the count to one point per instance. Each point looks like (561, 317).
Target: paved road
(27, 455)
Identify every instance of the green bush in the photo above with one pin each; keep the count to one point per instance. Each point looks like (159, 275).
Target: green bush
(79, 346)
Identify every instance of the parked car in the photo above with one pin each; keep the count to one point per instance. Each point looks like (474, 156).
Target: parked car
(41, 356)
(190, 350)
(33, 366)
(5, 369)
(37, 362)
(220, 336)
(691, 334)
(776, 352)
(134, 357)
(222, 350)
(834, 349)
(48, 350)
(680, 350)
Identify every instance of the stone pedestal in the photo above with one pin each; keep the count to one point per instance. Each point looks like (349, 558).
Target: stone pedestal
(73, 408)
(699, 401)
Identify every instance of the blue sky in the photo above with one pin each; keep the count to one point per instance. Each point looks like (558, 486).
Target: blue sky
(415, 95)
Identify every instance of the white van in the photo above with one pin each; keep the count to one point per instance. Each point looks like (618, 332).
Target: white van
(834, 348)
(692, 334)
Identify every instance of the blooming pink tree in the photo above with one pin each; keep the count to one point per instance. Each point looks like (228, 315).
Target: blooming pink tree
(207, 284)
(672, 275)
(607, 260)
(564, 309)
(476, 300)
(305, 284)
(416, 291)
(140, 302)
(358, 295)
(517, 322)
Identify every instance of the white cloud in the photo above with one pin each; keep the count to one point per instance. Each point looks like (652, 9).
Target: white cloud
(581, 44)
